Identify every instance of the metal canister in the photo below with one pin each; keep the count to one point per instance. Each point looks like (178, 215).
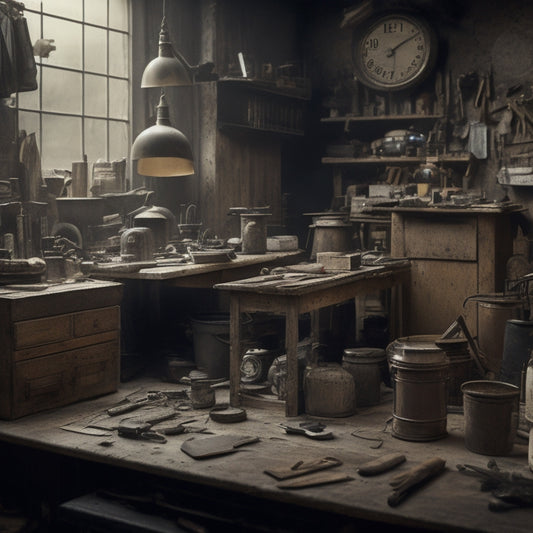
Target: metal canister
(367, 366)
(419, 371)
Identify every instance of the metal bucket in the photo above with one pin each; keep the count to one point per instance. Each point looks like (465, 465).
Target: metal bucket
(517, 346)
(211, 344)
(461, 367)
(493, 312)
(331, 235)
(366, 367)
(491, 416)
(419, 371)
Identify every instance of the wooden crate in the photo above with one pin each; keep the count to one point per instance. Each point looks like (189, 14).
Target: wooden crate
(59, 345)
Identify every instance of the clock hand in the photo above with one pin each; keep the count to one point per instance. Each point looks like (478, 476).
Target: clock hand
(391, 51)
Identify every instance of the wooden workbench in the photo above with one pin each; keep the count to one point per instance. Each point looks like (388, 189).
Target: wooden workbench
(201, 275)
(291, 296)
(145, 320)
(452, 501)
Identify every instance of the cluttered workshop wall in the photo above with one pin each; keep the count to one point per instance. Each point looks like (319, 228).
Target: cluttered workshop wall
(483, 74)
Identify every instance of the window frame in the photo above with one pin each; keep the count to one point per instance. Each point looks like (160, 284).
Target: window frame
(83, 115)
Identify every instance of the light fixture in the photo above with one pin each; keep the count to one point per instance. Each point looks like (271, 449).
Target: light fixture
(161, 150)
(170, 68)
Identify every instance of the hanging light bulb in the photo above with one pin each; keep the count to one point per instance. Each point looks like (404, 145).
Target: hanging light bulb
(162, 150)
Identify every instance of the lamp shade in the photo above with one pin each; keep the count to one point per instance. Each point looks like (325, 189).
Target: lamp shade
(167, 69)
(161, 150)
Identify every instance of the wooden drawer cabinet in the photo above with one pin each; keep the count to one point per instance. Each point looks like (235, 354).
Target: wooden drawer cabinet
(59, 345)
(454, 253)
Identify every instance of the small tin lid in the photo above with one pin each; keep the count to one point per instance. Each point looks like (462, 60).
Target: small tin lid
(418, 350)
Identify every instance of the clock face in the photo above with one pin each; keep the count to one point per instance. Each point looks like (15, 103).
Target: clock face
(394, 52)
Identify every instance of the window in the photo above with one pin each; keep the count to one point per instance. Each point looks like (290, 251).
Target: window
(82, 104)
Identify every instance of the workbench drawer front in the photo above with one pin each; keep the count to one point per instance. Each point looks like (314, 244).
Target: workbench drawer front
(448, 238)
(63, 378)
(97, 369)
(42, 331)
(42, 383)
(59, 328)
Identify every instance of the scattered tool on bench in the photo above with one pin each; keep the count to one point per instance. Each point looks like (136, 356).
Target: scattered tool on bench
(381, 464)
(509, 489)
(302, 468)
(406, 483)
(317, 435)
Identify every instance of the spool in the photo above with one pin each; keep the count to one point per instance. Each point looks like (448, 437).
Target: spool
(419, 371)
(491, 416)
(366, 367)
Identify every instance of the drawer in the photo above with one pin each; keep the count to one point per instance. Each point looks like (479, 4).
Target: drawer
(97, 369)
(442, 238)
(42, 331)
(60, 328)
(41, 384)
(62, 378)
(96, 321)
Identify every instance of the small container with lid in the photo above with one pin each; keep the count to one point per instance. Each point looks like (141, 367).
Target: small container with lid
(367, 366)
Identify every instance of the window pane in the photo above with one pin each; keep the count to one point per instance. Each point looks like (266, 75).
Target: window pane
(118, 141)
(95, 139)
(95, 50)
(61, 91)
(30, 99)
(118, 54)
(118, 14)
(67, 39)
(96, 11)
(61, 141)
(95, 95)
(66, 8)
(29, 122)
(32, 4)
(118, 99)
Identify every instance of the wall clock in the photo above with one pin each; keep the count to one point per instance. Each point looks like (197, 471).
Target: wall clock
(394, 51)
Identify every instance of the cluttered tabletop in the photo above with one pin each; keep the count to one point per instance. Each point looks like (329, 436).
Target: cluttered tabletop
(352, 465)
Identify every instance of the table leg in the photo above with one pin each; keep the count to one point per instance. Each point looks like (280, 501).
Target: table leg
(235, 351)
(291, 346)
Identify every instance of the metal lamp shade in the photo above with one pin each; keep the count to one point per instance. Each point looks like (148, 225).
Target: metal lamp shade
(165, 71)
(168, 69)
(161, 150)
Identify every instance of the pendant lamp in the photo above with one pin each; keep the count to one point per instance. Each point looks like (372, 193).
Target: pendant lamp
(162, 150)
(170, 68)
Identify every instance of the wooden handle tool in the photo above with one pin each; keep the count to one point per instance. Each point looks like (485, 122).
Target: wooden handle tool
(405, 483)
(381, 464)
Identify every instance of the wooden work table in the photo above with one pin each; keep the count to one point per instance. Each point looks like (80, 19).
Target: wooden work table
(294, 294)
(452, 501)
(197, 274)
